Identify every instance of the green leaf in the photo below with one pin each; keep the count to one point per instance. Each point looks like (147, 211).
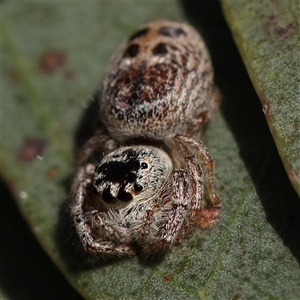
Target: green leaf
(267, 35)
(54, 55)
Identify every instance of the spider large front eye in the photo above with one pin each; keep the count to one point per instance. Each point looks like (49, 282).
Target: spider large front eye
(108, 197)
(124, 196)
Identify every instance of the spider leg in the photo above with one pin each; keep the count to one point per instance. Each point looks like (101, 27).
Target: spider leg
(177, 213)
(81, 193)
(83, 221)
(196, 188)
(185, 143)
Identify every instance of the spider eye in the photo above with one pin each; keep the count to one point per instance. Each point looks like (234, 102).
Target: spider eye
(144, 165)
(108, 197)
(124, 196)
(138, 187)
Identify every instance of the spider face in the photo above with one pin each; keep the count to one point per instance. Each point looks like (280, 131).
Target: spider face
(130, 175)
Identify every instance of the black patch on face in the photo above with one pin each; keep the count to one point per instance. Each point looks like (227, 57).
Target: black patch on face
(160, 49)
(130, 153)
(120, 173)
(138, 34)
(171, 31)
(132, 51)
(124, 196)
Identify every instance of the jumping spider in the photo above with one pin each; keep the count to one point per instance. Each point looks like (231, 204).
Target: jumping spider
(148, 188)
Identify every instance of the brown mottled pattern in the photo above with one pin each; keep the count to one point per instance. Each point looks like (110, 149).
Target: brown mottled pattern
(157, 83)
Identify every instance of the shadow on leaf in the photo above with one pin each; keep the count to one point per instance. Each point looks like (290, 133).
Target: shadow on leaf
(242, 111)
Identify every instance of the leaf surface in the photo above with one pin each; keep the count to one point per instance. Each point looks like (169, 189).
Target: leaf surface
(53, 59)
(268, 37)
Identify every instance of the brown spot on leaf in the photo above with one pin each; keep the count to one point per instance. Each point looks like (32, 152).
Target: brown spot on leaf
(285, 31)
(52, 60)
(222, 188)
(31, 148)
(14, 75)
(269, 20)
(271, 25)
(51, 173)
(167, 277)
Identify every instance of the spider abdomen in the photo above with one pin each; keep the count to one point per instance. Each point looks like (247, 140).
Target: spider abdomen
(159, 83)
